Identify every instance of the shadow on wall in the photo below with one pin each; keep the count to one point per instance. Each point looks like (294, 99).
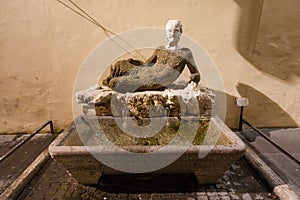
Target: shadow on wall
(249, 20)
(232, 111)
(262, 111)
(269, 36)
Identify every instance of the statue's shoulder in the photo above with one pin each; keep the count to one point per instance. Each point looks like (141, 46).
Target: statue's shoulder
(185, 49)
(185, 52)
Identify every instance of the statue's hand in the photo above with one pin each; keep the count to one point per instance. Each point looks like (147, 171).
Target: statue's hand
(195, 77)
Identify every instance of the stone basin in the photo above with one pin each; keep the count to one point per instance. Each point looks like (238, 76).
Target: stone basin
(208, 161)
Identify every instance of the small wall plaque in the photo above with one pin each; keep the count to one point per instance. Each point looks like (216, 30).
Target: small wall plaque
(242, 101)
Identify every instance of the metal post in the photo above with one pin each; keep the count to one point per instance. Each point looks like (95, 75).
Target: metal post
(241, 119)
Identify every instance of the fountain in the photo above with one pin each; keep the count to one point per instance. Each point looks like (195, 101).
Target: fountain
(137, 120)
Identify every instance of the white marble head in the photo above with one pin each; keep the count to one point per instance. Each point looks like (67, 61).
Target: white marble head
(174, 31)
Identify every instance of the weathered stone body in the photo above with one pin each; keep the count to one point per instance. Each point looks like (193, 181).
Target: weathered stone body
(160, 70)
(119, 69)
(157, 73)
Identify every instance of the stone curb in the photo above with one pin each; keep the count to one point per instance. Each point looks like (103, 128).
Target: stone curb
(285, 193)
(282, 190)
(20, 183)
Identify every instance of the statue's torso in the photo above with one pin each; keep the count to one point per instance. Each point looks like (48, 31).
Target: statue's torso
(175, 59)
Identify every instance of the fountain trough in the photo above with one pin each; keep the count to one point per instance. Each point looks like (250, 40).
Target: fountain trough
(81, 163)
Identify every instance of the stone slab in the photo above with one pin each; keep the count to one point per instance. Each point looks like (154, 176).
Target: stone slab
(189, 101)
(15, 188)
(289, 172)
(9, 141)
(289, 133)
(285, 167)
(13, 166)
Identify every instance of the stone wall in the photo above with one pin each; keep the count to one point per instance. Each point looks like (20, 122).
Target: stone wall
(253, 43)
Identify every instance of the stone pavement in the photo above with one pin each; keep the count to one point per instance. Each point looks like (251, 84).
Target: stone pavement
(9, 141)
(13, 166)
(285, 167)
(240, 182)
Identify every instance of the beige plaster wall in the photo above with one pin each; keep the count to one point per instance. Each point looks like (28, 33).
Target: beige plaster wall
(272, 82)
(43, 45)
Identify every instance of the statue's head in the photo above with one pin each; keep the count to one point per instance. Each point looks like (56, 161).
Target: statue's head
(174, 31)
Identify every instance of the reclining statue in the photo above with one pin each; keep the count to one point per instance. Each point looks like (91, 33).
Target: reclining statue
(159, 71)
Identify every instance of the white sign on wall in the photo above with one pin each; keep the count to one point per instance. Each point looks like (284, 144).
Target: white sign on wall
(242, 101)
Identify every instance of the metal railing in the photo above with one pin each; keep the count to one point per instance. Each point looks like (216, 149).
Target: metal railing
(50, 122)
(243, 121)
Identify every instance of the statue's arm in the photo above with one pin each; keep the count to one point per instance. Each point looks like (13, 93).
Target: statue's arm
(152, 58)
(195, 75)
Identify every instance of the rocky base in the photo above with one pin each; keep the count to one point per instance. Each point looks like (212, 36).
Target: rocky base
(193, 100)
